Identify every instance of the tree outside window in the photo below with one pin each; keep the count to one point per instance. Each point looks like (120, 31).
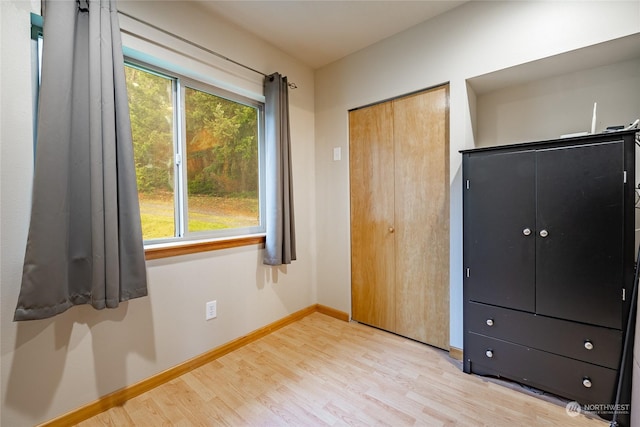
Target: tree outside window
(197, 158)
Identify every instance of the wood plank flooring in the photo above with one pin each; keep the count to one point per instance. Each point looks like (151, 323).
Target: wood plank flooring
(321, 371)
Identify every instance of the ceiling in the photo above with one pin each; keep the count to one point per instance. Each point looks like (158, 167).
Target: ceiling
(318, 32)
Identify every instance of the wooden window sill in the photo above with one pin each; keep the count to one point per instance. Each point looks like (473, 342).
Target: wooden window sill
(195, 247)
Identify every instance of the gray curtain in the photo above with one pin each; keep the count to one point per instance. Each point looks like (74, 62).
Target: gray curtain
(280, 246)
(85, 241)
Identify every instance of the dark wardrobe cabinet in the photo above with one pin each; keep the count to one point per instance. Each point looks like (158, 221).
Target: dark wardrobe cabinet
(549, 263)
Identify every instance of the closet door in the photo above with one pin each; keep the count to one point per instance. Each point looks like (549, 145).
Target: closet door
(372, 218)
(422, 216)
(399, 166)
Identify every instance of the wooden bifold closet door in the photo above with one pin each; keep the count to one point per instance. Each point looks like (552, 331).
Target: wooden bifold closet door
(399, 177)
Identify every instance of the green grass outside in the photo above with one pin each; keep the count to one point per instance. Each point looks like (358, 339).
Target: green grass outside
(209, 213)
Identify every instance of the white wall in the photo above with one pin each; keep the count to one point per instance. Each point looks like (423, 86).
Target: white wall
(52, 366)
(471, 40)
(554, 106)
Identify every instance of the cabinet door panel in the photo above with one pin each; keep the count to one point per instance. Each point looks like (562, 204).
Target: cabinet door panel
(580, 205)
(499, 206)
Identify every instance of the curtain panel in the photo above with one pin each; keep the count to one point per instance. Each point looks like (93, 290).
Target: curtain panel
(280, 245)
(85, 241)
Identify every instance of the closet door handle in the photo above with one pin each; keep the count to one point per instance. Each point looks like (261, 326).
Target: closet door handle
(526, 231)
(544, 233)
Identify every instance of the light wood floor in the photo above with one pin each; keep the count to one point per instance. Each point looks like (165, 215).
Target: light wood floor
(322, 371)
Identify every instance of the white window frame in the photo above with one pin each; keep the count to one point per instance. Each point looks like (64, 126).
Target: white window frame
(36, 67)
(180, 82)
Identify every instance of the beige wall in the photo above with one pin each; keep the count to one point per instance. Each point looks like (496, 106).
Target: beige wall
(50, 367)
(554, 106)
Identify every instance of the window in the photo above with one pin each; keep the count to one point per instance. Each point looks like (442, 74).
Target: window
(198, 152)
(198, 157)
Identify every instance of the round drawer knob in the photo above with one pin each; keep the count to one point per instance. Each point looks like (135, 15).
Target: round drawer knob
(526, 231)
(391, 229)
(489, 353)
(586, 382)
(489, 322)
(544, 233)
(588, 345)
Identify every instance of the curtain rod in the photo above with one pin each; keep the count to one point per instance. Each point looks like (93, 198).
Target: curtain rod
(182, 39)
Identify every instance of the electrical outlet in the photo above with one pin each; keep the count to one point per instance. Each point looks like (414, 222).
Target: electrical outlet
(211, 311)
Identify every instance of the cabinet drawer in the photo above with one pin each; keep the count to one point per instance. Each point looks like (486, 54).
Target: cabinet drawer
(593, 344)
(569, 378)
